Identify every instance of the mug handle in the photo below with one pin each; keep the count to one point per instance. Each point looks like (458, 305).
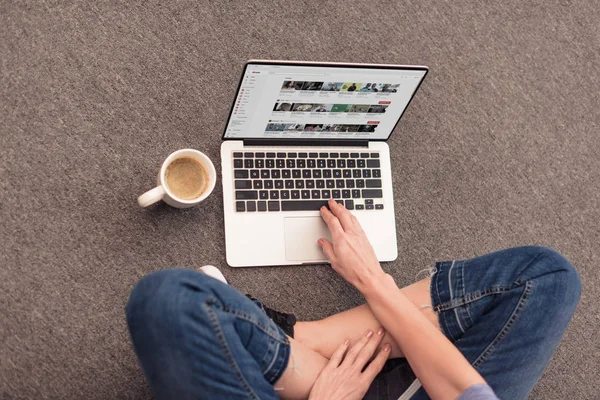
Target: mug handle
(151, 196)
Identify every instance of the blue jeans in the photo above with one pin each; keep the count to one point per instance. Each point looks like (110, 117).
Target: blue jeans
(506, 312)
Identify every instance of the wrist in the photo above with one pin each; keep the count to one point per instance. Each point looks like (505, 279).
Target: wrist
(376, 283)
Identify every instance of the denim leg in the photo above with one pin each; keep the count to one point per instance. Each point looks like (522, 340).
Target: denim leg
(506, 312)
(197, 338)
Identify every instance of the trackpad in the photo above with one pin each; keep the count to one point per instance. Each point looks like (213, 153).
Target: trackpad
(301, 235)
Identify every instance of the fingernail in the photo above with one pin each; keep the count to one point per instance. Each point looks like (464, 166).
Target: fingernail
(387, 347)
(380, 331)
(320, 242)
(369, 334)
(346, 342)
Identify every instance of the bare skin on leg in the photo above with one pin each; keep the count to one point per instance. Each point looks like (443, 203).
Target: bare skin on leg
(324, 336)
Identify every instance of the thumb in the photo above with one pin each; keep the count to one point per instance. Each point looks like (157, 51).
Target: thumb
(327, 248)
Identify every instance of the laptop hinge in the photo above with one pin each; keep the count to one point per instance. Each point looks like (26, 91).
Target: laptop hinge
(306, 142)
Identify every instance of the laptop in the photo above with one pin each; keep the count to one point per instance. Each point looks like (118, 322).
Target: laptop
(298, 134)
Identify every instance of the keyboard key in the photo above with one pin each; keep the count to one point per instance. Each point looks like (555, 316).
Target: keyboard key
(354, 155)
(372, 193)
(369, 206)
(305, 194)
(274, 194)
(249, 155)
(373, 164)
(280, 163)
(369, 201)
(331, 163)
(259, 155)
(355, 193)
(320, 184)
(273, 205)
(349, 204)
(246, 195)
(379, 206)
(299, 184)
(323, 155)
(292, 155)
(317, 173)
(248, 163)
(310, 184)
(278, 184)
(270, 163)
(238, 164)
(364, 155)
(341, 163)
(289, 184)
(307, 205)
(254, 174)
(366, 173)
(243, 184)
(260, 163)
(334, 155)
(285, 194)
(258, 185)
(373, 183)
(268, 184)
(270, 155)
(313, 155)
(326, 173)
(326, 194)
(280, 155)
(350, 183)
(290, 163)
(336, 194)
(374, 155)
(264, 194)
(262, 206)
(265, 174)
(302, 155)
(311, 163)
(301, 163)
(240, 206)
(321, 163)
(360, 183)
(330, 183)
(296, 173)
(356, 173)
(251, 206)
(347, 173)
(240, 174)
(337, 173)
(351, 163)
(376, 173)
(346, 194)
(360, 207)
(339, 184)
(237, 155)
(315, 194)
(344, 155)
(276, 174)
(286, 173)
(295, 194)
(306, 173)
(361, 163)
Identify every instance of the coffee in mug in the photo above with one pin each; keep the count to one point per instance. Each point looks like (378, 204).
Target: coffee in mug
(186, 178)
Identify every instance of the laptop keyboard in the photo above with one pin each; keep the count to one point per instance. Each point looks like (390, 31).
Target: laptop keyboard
(289, 181)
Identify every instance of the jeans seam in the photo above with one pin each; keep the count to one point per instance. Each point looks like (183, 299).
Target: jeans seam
(507, 326)
(245, 316)
(227, 351)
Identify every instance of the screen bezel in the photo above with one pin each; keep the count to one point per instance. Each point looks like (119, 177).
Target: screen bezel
(326, 64)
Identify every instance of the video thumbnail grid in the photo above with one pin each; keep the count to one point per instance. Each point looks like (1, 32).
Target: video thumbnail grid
(332, 108)
(370, 87)
(322, 128)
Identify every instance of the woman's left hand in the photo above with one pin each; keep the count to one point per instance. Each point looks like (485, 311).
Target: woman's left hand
(343, 377)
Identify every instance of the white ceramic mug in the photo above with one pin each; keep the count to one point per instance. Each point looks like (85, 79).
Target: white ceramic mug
(162, 192)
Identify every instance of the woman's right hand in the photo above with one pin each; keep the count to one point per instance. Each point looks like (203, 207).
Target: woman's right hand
(343, 377)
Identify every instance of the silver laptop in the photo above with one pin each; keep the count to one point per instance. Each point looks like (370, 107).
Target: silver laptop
(298, 134)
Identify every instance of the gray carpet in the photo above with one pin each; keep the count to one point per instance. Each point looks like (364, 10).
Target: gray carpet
(499, 148)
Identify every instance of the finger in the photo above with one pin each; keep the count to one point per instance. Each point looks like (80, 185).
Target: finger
(357, 347)
(357, 227)
(377, 364)
(367, 352)
(332, 222)
(338, 354)
(327, 248)
(343, 215)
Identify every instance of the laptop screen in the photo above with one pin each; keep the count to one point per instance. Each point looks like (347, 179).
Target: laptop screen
(320, 101)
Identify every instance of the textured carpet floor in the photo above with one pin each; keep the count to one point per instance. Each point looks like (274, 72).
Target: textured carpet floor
(499, 148)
